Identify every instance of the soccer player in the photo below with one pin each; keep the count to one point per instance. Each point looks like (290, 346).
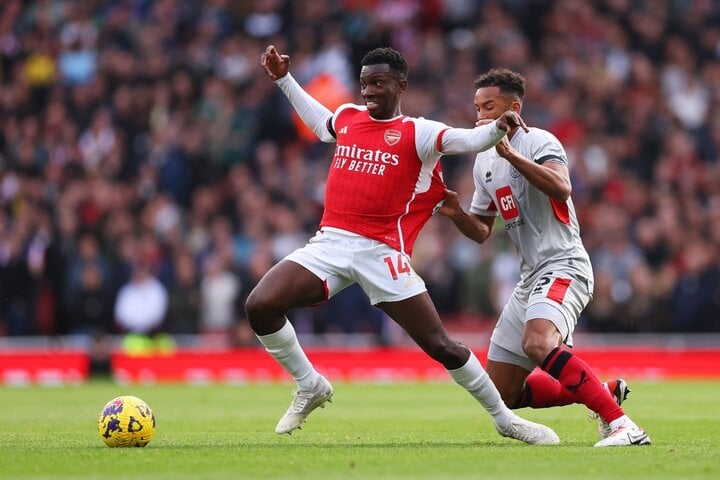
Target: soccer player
(383, 185)
(525, 180)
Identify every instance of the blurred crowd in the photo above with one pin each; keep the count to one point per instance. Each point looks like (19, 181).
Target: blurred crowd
(150, 173)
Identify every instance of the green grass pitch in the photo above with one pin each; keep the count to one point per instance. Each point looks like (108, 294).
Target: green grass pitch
(370, 431)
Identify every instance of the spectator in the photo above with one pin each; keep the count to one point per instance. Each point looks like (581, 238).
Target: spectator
(696, 296)
(91, 303)
(219, 289)
(153, 119)
(184, 296)
(141, 304)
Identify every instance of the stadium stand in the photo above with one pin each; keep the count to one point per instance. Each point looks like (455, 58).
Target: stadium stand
(143, 133)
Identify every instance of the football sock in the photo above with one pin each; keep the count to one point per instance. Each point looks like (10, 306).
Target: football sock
(578, 379)
(624, 421)
(284, 347)
(473, 377)
(542, 391)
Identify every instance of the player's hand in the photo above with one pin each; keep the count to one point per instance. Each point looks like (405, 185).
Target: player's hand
(510, 120)
(275, 65)
(503, 147)
(451, 204)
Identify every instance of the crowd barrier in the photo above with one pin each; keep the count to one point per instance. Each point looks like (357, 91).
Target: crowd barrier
(392, 364)
(372, 364)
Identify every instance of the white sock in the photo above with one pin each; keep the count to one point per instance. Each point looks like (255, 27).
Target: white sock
(284, 347)
(473, 377)
(624, 421)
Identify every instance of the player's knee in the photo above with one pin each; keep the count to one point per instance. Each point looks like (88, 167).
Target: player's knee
(536, 348)
(258, 307)
(448, 352)
(264, 313)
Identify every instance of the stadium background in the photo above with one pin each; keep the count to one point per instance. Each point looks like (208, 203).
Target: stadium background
(143, 136)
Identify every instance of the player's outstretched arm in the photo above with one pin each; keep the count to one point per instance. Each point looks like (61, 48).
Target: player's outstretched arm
(472, 226)
(484, 136)
(313, 113)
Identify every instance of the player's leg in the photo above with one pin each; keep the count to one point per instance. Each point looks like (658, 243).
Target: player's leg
(620, 390)
(549, 322)
(520, 388)
(307, 276)
(542, 342)
(577, 378)
(285, 286)
(509, 367)
(508, 378)
(541, 390)
(419, 318)
(515, 375)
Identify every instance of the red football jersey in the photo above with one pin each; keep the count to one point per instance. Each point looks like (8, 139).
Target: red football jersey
(385, 179)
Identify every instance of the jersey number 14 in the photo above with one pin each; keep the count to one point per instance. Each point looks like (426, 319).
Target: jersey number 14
(402, 266)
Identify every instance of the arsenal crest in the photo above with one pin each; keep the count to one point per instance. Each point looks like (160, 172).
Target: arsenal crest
(392, 137)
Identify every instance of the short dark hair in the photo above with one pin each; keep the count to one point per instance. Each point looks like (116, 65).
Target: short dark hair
(507, 80)
(392, 57)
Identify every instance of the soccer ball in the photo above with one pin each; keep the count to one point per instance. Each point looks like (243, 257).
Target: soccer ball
(126, 421)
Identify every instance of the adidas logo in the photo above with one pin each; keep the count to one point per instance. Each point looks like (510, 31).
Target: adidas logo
(343, 129)
(488, 176)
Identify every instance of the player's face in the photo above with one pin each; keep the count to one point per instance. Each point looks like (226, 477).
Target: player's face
(381, 89)
(491, 103)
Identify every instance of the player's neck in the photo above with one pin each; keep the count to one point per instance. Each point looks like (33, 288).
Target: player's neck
(386, 118)
(389, 116)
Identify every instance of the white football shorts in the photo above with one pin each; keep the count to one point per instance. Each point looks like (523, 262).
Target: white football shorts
(341, 258)
(558, 294)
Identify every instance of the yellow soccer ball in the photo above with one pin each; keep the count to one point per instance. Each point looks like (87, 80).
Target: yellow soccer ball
(126, 421)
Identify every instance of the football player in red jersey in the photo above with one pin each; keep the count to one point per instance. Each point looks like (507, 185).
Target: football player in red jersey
(384, 183)
(525, 180)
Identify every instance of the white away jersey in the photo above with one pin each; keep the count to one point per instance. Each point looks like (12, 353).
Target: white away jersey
(544, 230)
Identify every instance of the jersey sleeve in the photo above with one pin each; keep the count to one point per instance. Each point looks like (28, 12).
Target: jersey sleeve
(482, 202)
(313, 113)
(545, 147)
(428, 138)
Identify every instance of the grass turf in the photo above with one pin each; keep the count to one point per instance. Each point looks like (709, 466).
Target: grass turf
(410, 431)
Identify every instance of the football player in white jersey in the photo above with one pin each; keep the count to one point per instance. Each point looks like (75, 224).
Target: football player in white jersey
(525, 180)
(383, 185)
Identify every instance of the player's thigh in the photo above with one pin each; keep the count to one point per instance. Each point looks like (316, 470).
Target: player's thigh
(559, 296)
(285, 286)
(508, 331)
(309, 275)
(386, 275)
(391, 283)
